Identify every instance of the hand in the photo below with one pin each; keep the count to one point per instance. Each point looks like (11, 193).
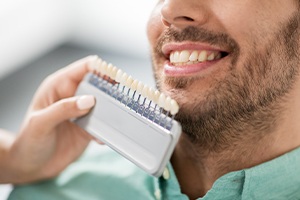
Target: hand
(48, 141)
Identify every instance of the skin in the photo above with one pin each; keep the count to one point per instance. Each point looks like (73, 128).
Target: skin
(48, 141)
(242, 110)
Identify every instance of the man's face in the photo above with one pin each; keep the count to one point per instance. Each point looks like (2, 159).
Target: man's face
(227, 63)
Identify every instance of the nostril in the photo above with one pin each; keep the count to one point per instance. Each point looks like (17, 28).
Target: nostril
(183, 19)
(187, 18)
(165, 22)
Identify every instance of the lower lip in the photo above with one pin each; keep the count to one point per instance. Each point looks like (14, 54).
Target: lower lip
(187, 70)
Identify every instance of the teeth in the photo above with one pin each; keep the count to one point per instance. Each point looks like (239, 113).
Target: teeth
(194, 56)
(218, 56)
(202, 56)
(191, 57)
(176, 56)
(211, 57)
(184, 56)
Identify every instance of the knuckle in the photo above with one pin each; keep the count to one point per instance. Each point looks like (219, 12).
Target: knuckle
(34, 118)
(33, 122)
(66, 105)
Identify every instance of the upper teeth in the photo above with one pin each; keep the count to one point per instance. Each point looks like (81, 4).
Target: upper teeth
(190, 57)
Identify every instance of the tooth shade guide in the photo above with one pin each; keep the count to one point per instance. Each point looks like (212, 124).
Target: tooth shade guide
(109, 77)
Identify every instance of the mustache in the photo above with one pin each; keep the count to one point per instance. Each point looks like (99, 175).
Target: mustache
(194, 34)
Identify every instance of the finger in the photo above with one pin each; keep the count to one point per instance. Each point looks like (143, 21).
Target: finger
(70, 76)
(63, 83)
(78, 69)
(65, 109)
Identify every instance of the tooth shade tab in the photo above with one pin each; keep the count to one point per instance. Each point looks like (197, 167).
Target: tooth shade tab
(156, 96)
(134, 85)
(167, 106)
(145, 91)
(174, 107)
(151, 94)
(119, 75)
(161, 100)
(93, 63)
(105, 66)
(129, 81)
(114, 72)
(140, 87)
(124, 78)
(109, 70)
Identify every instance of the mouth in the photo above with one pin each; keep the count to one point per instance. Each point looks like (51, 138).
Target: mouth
(186, 59)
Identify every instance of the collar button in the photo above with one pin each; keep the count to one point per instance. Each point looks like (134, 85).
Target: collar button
(166, 174)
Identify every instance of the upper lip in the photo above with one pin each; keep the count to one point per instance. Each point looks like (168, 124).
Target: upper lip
(170, 47)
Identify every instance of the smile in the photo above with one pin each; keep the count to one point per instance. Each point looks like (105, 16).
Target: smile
(187, 57)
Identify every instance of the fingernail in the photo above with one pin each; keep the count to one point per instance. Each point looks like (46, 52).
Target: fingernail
(85, 102)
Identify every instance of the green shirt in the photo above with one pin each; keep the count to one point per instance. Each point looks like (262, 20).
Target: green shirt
(102, 174)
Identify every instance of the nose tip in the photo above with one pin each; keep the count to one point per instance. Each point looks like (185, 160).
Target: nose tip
(181, 14)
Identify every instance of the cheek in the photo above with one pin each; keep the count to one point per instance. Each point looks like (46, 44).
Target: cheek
(154, 27)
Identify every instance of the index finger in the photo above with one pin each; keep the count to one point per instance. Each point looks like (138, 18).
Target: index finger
(63, 83)
(77, 70)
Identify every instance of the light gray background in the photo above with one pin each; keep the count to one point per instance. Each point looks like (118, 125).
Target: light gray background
(38, 37)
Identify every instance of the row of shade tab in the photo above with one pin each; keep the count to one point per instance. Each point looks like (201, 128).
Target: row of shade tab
(112, 72)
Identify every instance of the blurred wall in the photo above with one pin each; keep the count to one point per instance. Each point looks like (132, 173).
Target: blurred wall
(114, 25)
(31, 28)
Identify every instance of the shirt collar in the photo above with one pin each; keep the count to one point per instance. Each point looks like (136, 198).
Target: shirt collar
(275, 179)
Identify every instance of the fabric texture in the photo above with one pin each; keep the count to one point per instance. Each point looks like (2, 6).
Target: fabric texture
(103, 174)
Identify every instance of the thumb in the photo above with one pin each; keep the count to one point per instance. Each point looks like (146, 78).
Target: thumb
(66, 109)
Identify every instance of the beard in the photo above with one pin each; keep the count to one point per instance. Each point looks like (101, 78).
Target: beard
(248, 102)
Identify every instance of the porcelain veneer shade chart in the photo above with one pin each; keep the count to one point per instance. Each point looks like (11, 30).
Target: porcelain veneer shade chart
(132, 118)
(106, 74)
